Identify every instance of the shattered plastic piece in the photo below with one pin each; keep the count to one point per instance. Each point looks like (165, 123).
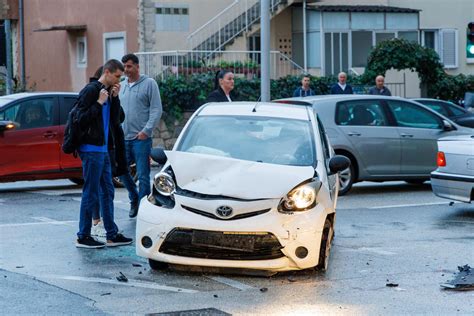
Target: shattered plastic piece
(122, 278)
(462, 281)
(451, 203)
(19, 267)
(104, 294)
(215, 295)
(391, 284)
(263, 289)
(136, 265)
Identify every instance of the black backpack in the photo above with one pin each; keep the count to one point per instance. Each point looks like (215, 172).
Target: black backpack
(72, 133)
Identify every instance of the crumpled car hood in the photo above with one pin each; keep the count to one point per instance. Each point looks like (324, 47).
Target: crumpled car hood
(215, 175)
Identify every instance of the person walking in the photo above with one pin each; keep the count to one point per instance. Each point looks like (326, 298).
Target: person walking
(99, 115)
(380, 88)
(141, 101)
(304, 90)
(223, 86)
(341, 87)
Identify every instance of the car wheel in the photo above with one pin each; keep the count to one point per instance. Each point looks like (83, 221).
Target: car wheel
(415, 181)
(157, 265)
(325, 248)
(346, 179)
(133, 172)
(78, 181)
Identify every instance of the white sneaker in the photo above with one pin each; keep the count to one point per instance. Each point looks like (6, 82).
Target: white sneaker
(98, 231)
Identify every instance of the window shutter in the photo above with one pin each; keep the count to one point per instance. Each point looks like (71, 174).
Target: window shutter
(449, 48)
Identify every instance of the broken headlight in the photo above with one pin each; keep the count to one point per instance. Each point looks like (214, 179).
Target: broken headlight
(164, 184)
(300, 198)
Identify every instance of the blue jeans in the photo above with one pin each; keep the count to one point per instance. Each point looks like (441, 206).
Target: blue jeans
(138, 151)
(97, 191)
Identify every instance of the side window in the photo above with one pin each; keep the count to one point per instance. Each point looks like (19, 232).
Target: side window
(360, 113)
(324, 139)
(435, 106)
(411, 115)
(32, 113)
(456, 110)
(66, 106)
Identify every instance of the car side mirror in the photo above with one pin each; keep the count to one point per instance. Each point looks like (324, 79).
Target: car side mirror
(6, 126)
(158, 155)
(447, 126)
(338, 163)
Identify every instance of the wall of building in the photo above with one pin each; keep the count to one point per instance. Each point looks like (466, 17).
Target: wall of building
(51, 56)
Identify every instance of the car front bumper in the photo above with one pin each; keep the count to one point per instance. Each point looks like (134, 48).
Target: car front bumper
(452, 186)
(279, 237)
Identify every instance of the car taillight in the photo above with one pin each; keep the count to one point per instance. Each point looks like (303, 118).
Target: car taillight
(441, 159)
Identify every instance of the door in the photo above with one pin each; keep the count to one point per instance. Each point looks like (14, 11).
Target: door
(377, 143)
(419, 131)
(66, 162)
(32, 148)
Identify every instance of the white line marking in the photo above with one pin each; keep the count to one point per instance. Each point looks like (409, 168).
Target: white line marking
(232, 283)
(51, 221)
(408, 205)
(375, 250)
(38, 223)
(132, 283)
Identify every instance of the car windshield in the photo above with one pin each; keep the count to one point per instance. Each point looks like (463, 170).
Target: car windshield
(261, 139)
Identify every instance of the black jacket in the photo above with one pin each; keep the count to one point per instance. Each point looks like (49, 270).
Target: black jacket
(90, 120)
(336, 89)
(218, 95)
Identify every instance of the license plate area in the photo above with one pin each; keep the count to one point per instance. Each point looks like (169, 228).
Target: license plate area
(222, 240)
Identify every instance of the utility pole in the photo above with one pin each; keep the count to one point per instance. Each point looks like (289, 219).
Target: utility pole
(304, 39)
(265, 50)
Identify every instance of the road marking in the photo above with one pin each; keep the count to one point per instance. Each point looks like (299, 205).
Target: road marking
(408, 205)
(374, 250)
(232, 283)
(131, 283)
(53, 222)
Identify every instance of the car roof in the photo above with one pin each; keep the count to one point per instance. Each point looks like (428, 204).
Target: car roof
(4, 100)
(268, 109)
(338, 97)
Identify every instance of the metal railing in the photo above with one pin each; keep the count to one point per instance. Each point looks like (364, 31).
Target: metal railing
(187, 62)
(228, 24)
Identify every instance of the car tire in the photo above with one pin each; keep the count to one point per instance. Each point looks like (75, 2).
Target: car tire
(415, 181)
(346, 179)
(157, 265)
(133, 172)
(325, 248)
(78, 181)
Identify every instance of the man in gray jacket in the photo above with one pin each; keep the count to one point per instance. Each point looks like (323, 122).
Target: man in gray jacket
(380, 88)
(141, 102)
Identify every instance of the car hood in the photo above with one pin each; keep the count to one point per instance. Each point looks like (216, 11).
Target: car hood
(468, 137)
(229, 177)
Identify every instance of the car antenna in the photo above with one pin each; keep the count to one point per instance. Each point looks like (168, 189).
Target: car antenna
(255, 107)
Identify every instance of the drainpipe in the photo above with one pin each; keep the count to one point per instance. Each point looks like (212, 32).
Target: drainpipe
(22, 44)
(265, 50)
(8, 40)
(305, 53)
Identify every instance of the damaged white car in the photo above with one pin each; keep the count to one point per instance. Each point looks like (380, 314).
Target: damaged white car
(247, 185)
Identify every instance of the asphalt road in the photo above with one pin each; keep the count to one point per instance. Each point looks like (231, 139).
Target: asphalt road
(385, 233)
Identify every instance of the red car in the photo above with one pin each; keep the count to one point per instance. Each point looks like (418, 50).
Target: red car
(31, 134)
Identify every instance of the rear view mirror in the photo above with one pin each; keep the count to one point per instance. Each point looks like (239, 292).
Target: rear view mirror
(6, 126)
(447, 126)
(158, 155)
(339, 163)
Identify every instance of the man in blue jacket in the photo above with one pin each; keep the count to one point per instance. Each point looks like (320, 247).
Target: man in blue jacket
(341, 87)
(304, 90)
(141, 101)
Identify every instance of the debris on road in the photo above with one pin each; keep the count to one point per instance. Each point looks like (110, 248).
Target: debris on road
(136, 265)
(104, 294)
(263, 289)
(462, 281)
(390, 284)
(19, 267)
(122, 278)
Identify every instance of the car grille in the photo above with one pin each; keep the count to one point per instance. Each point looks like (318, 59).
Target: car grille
(238, 216)
(221, 245)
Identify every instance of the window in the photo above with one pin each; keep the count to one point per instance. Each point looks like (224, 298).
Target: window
(172, 17)
(429, 38)
(336, 57)
(65, 108)
(114, 45)
(360, 113)
(402, 21)
(324, 140)
(81, 52)
(449, 48)
(33, 113)
(367, 21)
(411, 36)
(380, 37)
(361, 46)
(410, 115)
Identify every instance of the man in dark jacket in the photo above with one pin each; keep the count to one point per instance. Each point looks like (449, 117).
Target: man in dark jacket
(341, 87)
(100, 115)
(380, 88)
(304, 90)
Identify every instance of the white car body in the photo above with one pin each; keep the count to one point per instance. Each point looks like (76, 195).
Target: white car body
(225, 211)
(455, 180)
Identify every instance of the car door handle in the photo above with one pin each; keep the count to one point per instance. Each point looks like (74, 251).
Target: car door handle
(353, 134)
(406, 135)
(49, 134)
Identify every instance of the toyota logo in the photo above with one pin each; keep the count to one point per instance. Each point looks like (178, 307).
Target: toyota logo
(224, 211)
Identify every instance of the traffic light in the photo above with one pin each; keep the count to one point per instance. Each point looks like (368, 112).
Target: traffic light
(470, 42)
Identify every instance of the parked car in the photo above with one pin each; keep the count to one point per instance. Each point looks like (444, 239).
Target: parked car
(454, 112)
(31, 147)
(247, 185)
(386, 138)
(454, 178)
